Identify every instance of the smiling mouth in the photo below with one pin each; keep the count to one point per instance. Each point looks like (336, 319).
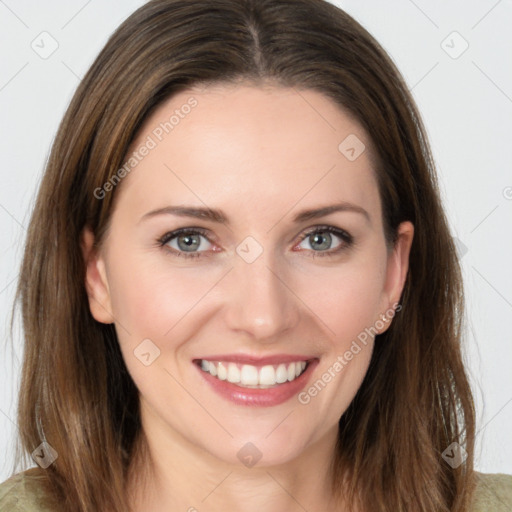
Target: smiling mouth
(255, 377)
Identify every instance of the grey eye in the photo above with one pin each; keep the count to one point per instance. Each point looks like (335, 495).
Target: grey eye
(188, 242)
(320, 241)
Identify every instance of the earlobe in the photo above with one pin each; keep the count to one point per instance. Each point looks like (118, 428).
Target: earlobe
(398, 266)
(96, 283)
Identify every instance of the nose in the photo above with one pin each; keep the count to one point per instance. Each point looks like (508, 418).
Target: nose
(261, 302)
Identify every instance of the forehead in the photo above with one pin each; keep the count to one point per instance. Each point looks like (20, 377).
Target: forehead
(227, 142)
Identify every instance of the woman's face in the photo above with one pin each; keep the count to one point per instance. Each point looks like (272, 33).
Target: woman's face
(247, 292)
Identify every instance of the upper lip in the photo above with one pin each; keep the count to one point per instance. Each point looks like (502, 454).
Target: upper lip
(258, 360)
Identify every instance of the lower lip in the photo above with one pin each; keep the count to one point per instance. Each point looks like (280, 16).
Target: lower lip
(267, 397)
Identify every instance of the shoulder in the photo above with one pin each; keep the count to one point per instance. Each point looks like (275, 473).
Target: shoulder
(493, 493)
(24, 492)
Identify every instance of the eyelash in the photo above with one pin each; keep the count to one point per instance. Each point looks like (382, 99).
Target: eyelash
(348, 240)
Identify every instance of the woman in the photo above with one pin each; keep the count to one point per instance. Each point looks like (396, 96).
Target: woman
(239, 288)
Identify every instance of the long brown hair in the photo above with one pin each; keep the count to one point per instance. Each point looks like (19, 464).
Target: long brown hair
(76, 393)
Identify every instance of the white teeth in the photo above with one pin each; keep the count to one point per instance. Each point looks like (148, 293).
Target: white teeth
(212, 369)
(251, 376)
(233, 373)
(222, 371)
(267, 375)
(281, 374)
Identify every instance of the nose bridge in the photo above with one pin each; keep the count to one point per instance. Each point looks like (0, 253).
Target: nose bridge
(261, 303)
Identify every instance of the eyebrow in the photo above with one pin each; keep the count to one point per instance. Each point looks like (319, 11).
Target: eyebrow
(216, 215)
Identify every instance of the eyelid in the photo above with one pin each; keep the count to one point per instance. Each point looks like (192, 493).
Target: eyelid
(342, 233)
(180, 231)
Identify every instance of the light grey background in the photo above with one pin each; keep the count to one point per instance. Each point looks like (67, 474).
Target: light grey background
(466, 102)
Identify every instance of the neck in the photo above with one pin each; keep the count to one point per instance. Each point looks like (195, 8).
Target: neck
(170, 473)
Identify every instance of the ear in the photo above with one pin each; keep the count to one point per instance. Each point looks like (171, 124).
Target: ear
(96, 282)
(396, 273)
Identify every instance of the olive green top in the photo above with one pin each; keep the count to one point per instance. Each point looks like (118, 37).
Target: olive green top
(22, 493)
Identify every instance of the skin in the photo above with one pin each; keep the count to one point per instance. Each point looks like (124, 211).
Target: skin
(261, 155)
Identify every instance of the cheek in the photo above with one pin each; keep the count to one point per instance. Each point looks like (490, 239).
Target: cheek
(150, 299)
(348, 309)
(347, 298)
(152, 302)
